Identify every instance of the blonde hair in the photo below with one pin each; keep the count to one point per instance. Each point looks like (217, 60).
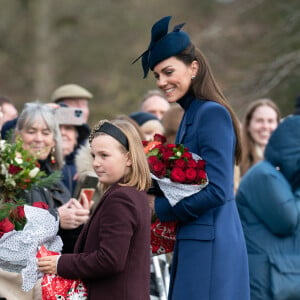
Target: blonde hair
(152, 125)
(250, 156)
(139, 175)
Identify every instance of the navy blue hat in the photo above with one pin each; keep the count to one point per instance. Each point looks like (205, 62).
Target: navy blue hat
(163, 44)
(142, 117)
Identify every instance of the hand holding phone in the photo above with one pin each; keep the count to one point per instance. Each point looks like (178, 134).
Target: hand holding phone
(89, 182)
(85, 198)
(89, 193)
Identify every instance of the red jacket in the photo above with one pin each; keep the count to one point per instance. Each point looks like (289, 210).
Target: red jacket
(112, 254)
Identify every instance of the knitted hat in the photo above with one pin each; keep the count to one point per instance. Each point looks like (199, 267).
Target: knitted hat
(70, 91)
(163, 44)
(142, 117)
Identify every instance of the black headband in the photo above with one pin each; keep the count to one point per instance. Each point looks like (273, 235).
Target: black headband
(115, 132)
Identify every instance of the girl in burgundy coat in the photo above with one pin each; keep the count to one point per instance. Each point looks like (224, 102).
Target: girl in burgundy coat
(112, 254)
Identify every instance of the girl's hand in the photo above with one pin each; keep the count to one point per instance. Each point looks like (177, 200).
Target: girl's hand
(48, 264)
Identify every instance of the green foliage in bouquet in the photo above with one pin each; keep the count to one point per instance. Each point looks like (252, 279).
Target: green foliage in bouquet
(19, 171)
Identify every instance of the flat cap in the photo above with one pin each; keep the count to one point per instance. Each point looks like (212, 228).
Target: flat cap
(70, 91)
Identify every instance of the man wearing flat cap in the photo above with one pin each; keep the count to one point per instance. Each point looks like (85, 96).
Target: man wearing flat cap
(73, 95)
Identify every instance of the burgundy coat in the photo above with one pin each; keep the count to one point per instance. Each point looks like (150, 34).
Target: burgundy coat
(112, 254)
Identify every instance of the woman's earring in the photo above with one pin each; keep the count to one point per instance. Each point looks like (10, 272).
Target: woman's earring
(193, 77)
(53, 161)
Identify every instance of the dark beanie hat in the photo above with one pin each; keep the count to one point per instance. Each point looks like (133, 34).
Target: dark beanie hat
(163, 44)
(142, 117)
(297, 106)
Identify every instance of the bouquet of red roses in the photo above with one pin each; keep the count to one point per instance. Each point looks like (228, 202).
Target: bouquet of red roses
(23, 227)
(179, 174)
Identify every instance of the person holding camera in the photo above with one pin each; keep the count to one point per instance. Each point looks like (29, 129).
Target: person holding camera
(73, 95)
(74, 132)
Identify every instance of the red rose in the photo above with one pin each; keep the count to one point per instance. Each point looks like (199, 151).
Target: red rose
(191, 163)
(177, 175)
(6, 226)
(171, 146)
(179, 163)
(187, 155)
(157, 167)
(201, 164)
(12, 169)
(160, 147)
(21, 212)
(40, 205)
(18, 213)
(159, 138)
(167, 154)
(152, 160)
(201, 175)
(191, 175)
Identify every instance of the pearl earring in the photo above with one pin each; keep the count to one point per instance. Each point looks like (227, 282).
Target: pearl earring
(193, 77)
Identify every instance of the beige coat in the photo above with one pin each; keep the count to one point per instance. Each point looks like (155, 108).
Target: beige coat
(10, 287)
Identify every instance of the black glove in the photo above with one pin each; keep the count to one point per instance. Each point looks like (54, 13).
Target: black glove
(155, 189)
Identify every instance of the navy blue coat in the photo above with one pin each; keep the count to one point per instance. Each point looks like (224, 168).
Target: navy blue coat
(268, 201)
(210, 259)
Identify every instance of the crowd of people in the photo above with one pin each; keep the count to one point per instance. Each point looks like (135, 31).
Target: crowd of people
(235, 239)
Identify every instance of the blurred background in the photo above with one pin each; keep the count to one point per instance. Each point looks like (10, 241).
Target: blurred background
(253, 47)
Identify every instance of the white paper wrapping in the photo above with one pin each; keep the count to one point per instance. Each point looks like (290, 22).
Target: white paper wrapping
(175, 191)
(18, 249)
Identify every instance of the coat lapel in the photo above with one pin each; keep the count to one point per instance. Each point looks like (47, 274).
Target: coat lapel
(85, 229)
(187, 120)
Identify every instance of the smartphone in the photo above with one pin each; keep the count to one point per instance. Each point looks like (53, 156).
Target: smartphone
(69, 116)
(89, 182)
(89, 193)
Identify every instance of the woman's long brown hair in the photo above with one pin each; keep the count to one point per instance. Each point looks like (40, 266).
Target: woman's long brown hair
(205, 87)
